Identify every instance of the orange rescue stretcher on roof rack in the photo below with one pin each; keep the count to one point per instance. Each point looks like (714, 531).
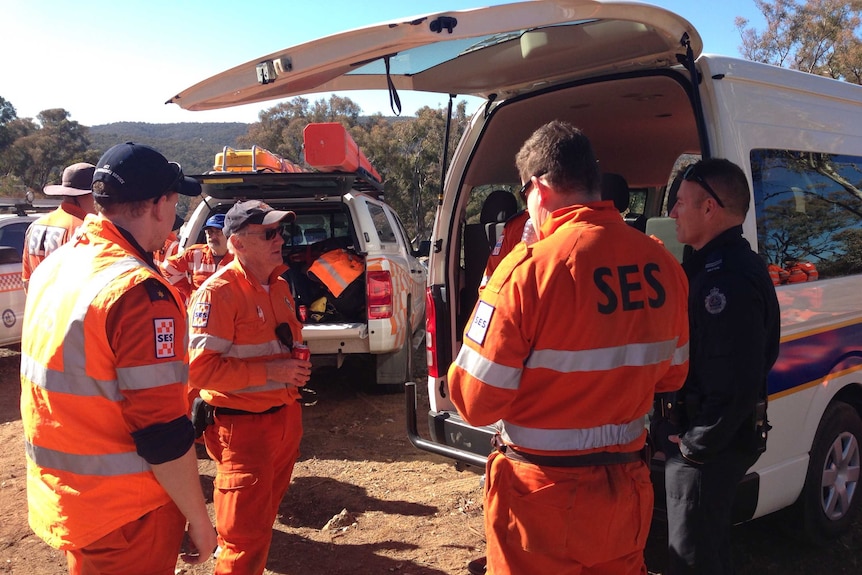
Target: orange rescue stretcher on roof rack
(329, 148)
(256, 159)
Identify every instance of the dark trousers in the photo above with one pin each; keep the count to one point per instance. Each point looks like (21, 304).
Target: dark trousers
(699, 506)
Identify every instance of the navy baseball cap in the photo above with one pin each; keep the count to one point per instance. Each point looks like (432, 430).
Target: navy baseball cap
(216, 221)
(253, 212)
(138, 172)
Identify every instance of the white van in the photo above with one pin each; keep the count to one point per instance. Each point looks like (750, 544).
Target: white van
(632, 77)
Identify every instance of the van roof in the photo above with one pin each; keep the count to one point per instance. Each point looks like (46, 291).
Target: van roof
(498, 51)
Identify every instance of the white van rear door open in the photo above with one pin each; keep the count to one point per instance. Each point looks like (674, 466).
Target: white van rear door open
(500, 50)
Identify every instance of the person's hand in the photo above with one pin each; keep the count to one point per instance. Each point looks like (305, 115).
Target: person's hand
(292, 372)
(665, 436)
(200, 543)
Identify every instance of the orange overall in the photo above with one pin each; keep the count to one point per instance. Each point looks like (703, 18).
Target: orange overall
(509, 238)
(170, 248)
(49, 233)
(568, 344)
(188, 270)
(258, 423)
(107, 369)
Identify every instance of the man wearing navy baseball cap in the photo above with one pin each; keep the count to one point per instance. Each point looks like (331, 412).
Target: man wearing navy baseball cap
(108, 333)
(186, 271)
(134, 172)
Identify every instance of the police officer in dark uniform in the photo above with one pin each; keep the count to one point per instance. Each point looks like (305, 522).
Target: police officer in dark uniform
(717, 428)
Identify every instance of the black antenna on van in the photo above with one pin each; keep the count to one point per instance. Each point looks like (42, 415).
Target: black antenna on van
(688, 62)
(445, 151)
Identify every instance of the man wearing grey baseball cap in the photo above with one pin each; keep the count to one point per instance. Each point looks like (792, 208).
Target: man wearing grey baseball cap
(243, 326)
(103, 363)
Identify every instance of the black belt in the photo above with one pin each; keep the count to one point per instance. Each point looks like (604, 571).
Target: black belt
(586, 460)
(231, 411)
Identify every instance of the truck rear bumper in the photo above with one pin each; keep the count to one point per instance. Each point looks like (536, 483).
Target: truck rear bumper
(336, 338)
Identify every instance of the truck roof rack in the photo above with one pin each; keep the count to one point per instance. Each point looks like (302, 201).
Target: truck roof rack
(224, 185)
(25, 206)
(328, 148)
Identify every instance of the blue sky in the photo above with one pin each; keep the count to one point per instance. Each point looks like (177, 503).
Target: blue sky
(120, 60)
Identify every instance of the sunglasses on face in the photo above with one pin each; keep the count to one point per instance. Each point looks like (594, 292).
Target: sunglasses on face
(268, 235)
(690, 175)
(525, 188)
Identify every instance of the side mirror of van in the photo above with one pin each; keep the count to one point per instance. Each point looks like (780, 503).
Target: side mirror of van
(424, 249)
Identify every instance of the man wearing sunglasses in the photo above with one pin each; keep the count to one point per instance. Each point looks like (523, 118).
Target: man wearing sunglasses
(112, 473)
(243, 325)
(569, 341)
(718, 428)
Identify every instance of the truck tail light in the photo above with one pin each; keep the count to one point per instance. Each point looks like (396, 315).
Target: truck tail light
(379, 294)
(431, 334)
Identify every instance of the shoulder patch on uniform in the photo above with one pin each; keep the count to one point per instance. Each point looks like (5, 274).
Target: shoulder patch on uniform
(499, 245)
(165, 337)
(156, 290)
(200, 314)
(715, 301)
(481, 319)
(714, 263)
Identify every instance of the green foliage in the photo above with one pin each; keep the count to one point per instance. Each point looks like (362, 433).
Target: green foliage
(192, 145)
(406, 151)
(815, 36)
(38, 152)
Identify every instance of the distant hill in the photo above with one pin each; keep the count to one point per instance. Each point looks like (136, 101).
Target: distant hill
(193, 145)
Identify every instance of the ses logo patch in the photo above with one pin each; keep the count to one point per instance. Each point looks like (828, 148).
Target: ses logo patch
(165, 337)
(200, 315)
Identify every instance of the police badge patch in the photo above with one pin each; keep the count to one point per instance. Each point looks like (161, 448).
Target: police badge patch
(715, 301)
(200, 314)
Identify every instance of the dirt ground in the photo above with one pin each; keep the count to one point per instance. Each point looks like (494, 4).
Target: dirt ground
(410, 513)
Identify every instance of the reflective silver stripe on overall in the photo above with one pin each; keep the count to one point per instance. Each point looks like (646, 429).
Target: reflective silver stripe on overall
(104, 465)
(227, 348)
(603, 359)
(571, 439)
(562, 361)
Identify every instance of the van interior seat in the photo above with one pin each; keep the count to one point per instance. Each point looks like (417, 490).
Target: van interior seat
(498, 206)
(496, 211)
(616, 188)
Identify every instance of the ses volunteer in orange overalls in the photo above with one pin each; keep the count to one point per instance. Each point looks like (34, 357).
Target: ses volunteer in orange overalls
(111, 474)
(54, 229)
(188, 270)
(171, 245)
(569, 342)
(512, 233)
(243, 325)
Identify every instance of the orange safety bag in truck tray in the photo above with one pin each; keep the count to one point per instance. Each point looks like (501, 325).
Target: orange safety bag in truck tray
(329, 148)
(337, 269)
(254, 160)
(342, 272)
